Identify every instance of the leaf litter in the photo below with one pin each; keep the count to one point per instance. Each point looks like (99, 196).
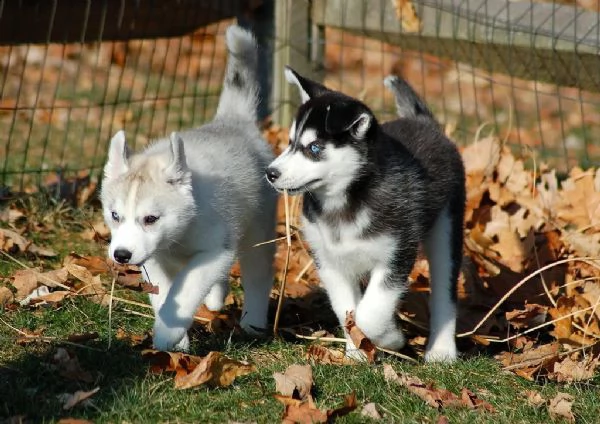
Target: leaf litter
(435, 397)
(214, 369)
(295, 386)
(519, 220)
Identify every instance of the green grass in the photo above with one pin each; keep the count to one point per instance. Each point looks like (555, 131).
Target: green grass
(128, 392)
(29, 384)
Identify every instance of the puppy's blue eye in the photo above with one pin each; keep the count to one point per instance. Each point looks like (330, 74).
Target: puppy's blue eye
(315, 149)
(115, 216)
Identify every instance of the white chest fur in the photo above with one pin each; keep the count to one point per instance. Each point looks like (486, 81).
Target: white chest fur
(345, 247)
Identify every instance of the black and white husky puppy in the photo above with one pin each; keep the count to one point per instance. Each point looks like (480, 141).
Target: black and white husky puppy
(372, 193)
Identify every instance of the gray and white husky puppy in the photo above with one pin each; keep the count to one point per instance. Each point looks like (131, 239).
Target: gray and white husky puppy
(372, 193)
(187, 206)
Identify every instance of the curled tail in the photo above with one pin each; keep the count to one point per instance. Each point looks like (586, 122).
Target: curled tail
(239, 97)
(408, 103)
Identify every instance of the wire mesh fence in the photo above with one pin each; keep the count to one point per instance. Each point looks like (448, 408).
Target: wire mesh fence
(71, 76)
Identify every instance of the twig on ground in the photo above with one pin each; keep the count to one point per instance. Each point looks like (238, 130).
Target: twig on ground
(342, 340)
(39, 274)
(519, 284)
(304, 270)
(408, 319)
(139, 314)
(537, 327)
(48, 339)
(287, 264)
(541, 358)
(110, 308)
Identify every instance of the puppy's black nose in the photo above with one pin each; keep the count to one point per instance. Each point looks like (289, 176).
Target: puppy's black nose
(122, 255)
(273, 174)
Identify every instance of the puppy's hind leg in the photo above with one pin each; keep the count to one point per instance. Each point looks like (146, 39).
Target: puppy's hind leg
(256, 264)
(443, 247)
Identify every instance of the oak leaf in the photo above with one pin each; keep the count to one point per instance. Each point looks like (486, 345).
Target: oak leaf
(296, 381)
(216, 370)
(325, 355)
(560, 406)
(362, 342)
(70, 400)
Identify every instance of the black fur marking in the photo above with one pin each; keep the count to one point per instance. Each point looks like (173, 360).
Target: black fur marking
(410, 174)
(236, 80)
(311, 207)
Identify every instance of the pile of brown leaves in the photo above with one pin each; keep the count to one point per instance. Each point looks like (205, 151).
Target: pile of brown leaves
(529, 291)
(531, 269)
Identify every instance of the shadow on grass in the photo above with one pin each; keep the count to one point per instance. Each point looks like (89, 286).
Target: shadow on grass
(32, 385)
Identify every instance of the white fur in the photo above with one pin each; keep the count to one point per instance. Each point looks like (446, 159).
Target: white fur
(292, 131)
(292, 79)
(344, 252)
(338, 168)
(441, 345)
(344, 256)
(361, 125)
(205, 186)
(308, 136)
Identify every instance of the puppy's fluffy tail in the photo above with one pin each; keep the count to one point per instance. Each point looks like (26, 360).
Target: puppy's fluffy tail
(408, 103)
(240, 89)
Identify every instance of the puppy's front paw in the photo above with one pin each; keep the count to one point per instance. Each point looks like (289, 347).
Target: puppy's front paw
(441, 353)
(215, 299)
(392, 340)
(169, 339)
(253, 324)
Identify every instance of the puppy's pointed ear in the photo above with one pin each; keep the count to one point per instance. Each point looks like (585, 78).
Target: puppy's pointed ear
(177, 171)
(349, 116)
(307, 88)
(118, 156)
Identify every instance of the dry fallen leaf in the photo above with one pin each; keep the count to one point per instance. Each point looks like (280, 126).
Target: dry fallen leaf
(305, 411)
(69, 367)
(531, 362)
(471, 401)
(370, 410)
(436, 398)
(560, 407)
(535, 398)
(359, 339)
(6, 296)
(296, 381)
(82, 337)
(569, 370)
(13, 242)
(90, 284)
(531, 316)
(216, 370)
(348, 406)
(178, 362)
(25, 281)
(325, 355)
(74, 421)
(300, 412)
(99, 231)
(213, 369)
(70, 400)
(143, 340)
